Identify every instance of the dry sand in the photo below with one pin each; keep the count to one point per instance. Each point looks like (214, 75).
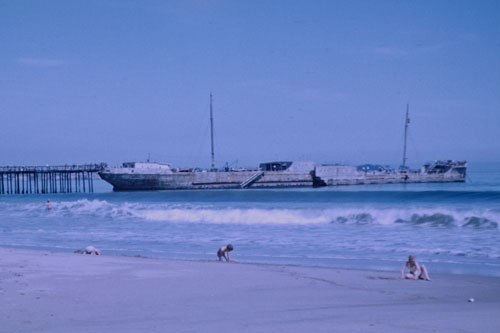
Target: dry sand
(58, 292)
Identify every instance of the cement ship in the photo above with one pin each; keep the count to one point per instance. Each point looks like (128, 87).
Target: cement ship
(137, 176)
(147, 176)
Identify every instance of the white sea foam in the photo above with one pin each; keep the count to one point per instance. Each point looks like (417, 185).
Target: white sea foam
(234, 215)
(205, 213)
(367, 215)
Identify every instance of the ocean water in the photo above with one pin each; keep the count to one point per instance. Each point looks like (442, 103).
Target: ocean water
(452, 228)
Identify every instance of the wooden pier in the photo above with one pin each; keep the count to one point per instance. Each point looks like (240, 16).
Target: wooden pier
(48, 179)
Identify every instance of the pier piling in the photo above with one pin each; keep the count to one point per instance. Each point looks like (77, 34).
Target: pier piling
(48, 179)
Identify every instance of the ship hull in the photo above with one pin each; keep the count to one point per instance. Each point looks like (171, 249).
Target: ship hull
(393, 179)
(320, 176)
(203, 180)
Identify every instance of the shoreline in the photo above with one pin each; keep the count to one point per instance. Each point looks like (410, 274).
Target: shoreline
(60, 292)
(347, 264)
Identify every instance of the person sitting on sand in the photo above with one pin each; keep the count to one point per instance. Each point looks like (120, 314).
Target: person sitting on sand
(415, 271)
(223, 252)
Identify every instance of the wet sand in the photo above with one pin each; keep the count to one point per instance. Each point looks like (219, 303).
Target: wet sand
(63, 292)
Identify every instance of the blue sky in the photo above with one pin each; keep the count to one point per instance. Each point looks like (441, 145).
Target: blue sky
(113, 81)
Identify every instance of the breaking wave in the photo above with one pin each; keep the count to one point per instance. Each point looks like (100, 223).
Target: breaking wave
(200, 213)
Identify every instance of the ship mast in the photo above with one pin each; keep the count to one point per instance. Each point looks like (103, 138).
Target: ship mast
(212, 131)
(407, 121)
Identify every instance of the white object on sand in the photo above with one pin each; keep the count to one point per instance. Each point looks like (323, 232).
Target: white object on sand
(91, 250)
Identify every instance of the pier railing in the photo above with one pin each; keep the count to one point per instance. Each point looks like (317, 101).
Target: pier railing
(48, 179)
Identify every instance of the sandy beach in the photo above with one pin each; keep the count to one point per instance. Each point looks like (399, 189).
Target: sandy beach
(62, 292)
